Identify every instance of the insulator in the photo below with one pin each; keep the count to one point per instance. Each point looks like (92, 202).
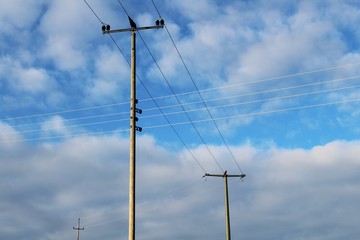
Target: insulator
(157, 22)
(138, 128)
(103, 28)
(162, 22)
(136, 101)
(138, 110)
(108, 27)
(136, 119)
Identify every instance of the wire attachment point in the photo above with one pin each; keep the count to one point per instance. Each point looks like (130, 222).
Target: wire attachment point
(138, 110)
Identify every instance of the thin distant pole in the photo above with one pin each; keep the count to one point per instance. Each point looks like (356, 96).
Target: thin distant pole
(78, 229)
(226, 191)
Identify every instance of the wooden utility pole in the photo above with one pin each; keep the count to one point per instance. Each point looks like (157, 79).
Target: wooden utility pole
(133, 111)
(227, 211)
(78, 229)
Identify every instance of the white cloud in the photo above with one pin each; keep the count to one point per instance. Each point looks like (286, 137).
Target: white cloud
(9, 137)
(46, 186)
(33, 80)
(202, 9)
(15, 15)
(55, 125)
(63, 29)
(112, 76)
(87, 177)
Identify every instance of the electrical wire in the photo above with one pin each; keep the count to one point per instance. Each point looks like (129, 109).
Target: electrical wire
(258, 92)
(72, 110)
(62, 112)
(94, 12)
(256, 113)
(69, 119)
(178, 100)
(257, 101)
(172, 125)
(176, 133)
(167, 96)
(180, 112)
(73, 126)
(202, 99)
(61, 137)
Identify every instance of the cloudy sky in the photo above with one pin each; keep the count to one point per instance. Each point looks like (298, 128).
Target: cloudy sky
(265, 88)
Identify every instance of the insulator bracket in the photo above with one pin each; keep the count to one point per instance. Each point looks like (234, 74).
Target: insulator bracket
(138, 110)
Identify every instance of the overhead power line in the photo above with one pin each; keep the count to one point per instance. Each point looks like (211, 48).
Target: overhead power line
(183, 109)
(197, 90)
(176, 133)
(168, 96)
(152, 98)
(172, 113)
(255, 113)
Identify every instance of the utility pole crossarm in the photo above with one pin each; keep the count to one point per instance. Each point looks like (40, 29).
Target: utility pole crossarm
(131, 29)
(225, 175)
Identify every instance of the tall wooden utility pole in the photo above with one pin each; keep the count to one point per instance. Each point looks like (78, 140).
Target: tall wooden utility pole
(133, 111)
(78, 229)
(227, 211)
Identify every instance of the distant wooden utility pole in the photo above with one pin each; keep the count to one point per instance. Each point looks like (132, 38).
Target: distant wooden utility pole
(78, 229)
(227, 211)
(133, 110)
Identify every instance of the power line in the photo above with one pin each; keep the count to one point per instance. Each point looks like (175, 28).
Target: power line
(257, 113)
(177, 99)
(264, 91)
(169, 96)
(74, 126)
(64, 111)
(178, 112)
(122, 6)
(172, 125)
(176, 133)
(70, 119)
(257, 101)
(209, 100)
(94, 12)
(62, 136)
(260, 92)
(324, 69)
(197, 89)
(148, 92)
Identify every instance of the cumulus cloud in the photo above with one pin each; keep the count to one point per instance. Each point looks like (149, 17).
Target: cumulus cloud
(87, 177)
(112, 76)
(55, 125)
(17, 15)
(25, 79)
(9, 136)
(301, 179)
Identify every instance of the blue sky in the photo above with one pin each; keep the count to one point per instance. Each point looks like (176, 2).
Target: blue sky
(280, 79)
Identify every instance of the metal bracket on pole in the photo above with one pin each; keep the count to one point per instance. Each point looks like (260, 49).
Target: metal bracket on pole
(137, 110)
